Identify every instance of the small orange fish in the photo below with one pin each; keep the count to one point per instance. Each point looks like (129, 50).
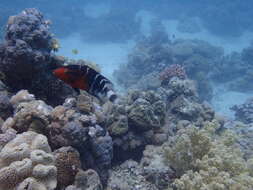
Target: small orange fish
(85, 78)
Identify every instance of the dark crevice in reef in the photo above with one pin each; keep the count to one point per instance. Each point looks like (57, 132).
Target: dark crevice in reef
(120, 156)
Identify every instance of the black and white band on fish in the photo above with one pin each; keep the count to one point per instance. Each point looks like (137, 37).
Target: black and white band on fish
(102, 87)
(97, 85)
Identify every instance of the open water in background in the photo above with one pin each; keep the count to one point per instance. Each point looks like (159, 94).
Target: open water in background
(106, 31)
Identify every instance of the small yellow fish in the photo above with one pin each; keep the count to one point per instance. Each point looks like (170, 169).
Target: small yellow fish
(55, 45)
(75, 51)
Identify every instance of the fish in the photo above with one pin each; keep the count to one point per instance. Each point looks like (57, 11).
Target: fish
(75, 51)
(83, 77)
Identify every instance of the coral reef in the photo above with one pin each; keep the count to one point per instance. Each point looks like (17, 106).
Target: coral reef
(244, 136)
(201, 158)
(159, 135)
(244, 112)
(172, 71)
(128, 176)
(68, 163)
(86, 180)
(6, 108)
(154, 169)
(136, 121)
(7, 137)
(182, 102)
(28, 44)
(69, 125)
(198, 58)
(27, 161)
(70, 128)
(29, 114)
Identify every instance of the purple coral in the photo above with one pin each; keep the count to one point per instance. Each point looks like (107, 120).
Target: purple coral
(174, 70)
(26, 60)
(244, 112)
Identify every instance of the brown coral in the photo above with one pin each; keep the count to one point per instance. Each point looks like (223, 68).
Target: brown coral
(173, 70)
(86, 180)
(67, 162)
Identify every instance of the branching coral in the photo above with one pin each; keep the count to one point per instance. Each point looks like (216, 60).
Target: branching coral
(171, 71)
(204, 160)
(189, 147)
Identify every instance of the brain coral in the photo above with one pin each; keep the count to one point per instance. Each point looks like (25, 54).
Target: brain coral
(31, 115)
(26, 162)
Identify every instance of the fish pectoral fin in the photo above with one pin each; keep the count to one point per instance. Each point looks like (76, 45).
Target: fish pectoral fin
(77, 90)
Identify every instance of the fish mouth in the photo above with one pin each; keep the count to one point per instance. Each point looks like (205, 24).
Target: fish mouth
(111, 96)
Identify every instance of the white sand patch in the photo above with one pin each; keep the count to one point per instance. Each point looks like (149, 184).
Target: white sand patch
(224, 99)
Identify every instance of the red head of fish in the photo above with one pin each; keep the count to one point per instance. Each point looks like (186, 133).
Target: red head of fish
(61, 73)
(75, 80)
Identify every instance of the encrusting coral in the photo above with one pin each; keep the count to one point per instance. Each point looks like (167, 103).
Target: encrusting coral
(67, 161)
(6, 137)
(174, 70)
(6, 109)
(27, 162)
(29, 114)
(203, 160)
(137, 120)
(86, 180)
(244, 111)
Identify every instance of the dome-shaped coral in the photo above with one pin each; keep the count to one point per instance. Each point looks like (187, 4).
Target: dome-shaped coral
(27, 161)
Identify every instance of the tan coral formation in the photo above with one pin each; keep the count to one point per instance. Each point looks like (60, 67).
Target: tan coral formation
(30, 114)
(26, 162)
(86, 180)
(205, 160)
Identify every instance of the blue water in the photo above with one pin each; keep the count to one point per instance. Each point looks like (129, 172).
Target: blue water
(106, 31)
